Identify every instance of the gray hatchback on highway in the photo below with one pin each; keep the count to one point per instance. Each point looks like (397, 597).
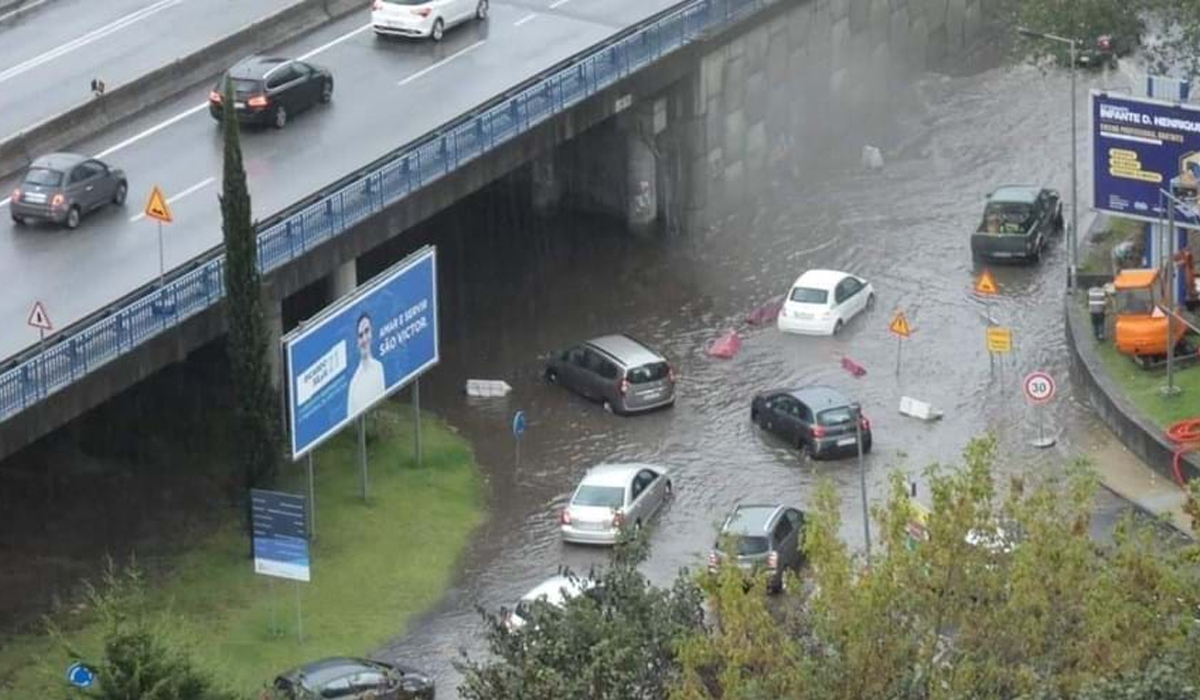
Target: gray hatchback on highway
(617, 371)
(62, 187)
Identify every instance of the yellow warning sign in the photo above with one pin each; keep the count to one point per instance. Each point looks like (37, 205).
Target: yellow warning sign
(899, 325)
(986, 284)
(157, 207)
(999, 339)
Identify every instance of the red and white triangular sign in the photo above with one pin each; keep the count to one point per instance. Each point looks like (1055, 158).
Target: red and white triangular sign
(38, 318)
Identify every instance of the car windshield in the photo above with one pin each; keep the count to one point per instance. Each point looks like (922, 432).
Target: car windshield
(44, 177)
(601, 496)
(835, 416)
(747, 545)
(808, 295)
(1007, 217)
(653, 372)
(1135, 301)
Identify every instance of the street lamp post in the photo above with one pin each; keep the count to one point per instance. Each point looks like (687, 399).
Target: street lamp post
(1073, 234)
(862, 479)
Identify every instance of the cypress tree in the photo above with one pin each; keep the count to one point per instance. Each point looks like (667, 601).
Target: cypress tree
(255, 413)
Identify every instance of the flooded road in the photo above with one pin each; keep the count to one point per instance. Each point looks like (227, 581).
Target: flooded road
(524, 289)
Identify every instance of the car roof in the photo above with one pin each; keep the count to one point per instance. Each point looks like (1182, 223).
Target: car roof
(58, 161)
(750, 519)
(318, 673)
(558, 588)
(1023, 194)
(819, 396)
(256, 67)
(821, 279)
(616, 474)
(625, 350)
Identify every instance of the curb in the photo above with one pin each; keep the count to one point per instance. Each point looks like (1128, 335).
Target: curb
(148, 90)
(1126, 421)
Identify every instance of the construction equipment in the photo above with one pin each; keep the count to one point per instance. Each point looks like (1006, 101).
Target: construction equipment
(1140, 329)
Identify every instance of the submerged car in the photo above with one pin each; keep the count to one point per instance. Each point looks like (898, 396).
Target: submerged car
(822, 302)
(1018, 221)
(423, 18)
(269, 90)
(352, 679)
(554, 591)
(61, 187)
(620, 372)
(611, 497)
(817, 420)
(763, 538)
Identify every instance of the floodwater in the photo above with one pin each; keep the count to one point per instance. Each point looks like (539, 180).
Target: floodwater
(526, 288)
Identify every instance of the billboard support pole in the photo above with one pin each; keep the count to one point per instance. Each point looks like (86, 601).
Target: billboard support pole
(417, 417)
(274, 628)
(1170, 389)
(299, 617)
(362, 451)
(312, 502)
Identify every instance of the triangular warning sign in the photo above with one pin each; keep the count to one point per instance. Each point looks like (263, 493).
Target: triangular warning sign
(899, 325)
(38, 318)
(157, 207)
(986, 284)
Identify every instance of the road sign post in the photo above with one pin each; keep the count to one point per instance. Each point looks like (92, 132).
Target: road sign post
(1039, 389)
(519, 424)
(900, 328)
(158, 209)
(39, 319)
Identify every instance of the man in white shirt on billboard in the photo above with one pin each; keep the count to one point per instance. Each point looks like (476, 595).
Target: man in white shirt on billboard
(367, 384)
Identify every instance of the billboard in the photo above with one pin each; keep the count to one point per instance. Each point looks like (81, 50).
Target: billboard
(361, 349)
(280, 528)
(1139, 145)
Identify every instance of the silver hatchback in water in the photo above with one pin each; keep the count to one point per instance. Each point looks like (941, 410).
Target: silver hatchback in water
(617, 371)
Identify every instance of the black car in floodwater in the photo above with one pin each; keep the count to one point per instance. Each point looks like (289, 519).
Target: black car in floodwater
(348, 678)
(817, 420)
(1017, 223)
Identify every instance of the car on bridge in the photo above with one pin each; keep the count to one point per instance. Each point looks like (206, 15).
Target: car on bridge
(611, 497)
(817, 420)
(1017, 223)
(61, 187)
(620, 372)
(423, 18)
(268, 90)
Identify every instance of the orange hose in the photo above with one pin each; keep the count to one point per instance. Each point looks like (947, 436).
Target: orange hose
(1186, 435)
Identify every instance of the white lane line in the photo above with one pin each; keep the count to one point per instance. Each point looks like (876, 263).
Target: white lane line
(557, 3)
(525, 19)
(94, 35)
(442, 62)
(21, 10)
(325, 47)
(171, 200)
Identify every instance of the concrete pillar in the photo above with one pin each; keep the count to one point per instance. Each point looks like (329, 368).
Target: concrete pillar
(343, 280)
(641, 207)
(547, 184)
(273, 311)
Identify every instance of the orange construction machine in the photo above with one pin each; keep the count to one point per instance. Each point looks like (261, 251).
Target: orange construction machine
(1140, 329)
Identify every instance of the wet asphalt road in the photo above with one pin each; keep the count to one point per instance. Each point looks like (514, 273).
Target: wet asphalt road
(521, 294)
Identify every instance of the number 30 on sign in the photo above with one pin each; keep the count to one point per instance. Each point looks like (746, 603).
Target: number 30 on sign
(1039, 387)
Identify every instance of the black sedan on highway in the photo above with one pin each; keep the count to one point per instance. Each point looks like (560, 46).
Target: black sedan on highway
(348, 678)
(817, 420)
(61, 187)
(269, 90)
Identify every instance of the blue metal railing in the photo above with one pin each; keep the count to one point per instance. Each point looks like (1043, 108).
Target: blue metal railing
(81, 349)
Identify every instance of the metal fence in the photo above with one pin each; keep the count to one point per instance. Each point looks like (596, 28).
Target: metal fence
(78, 351)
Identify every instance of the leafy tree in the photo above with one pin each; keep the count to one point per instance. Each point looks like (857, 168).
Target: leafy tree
(255, 415)
(616, 643)
(1083, 20)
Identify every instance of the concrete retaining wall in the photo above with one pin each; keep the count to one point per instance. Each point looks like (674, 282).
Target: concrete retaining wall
(1134, 429)
(124, 101)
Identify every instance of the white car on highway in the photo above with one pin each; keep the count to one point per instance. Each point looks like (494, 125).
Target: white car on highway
(423, 18)
(822, 302)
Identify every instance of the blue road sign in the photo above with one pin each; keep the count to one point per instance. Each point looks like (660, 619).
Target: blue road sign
(361, 349)
(80, 675)
(280, 522)
(518, 424)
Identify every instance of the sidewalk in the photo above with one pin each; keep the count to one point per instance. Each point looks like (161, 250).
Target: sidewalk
(1127, 476)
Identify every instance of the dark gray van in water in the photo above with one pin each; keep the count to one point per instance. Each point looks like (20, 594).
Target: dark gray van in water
(617, 371)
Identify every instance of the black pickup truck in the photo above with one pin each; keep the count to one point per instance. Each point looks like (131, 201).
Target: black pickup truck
(1017, 223)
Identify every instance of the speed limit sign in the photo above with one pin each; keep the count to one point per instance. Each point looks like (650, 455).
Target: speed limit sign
(1039, 387)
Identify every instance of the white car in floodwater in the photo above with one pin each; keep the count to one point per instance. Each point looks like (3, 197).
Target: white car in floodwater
(822, 302)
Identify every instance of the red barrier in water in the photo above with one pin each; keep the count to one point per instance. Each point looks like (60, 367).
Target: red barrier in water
(853, 367)
(767, 313)
(725, 346)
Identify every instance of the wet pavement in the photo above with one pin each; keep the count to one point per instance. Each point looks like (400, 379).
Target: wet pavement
(525, 288)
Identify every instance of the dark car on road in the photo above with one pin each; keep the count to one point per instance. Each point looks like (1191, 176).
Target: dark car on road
(761, 538)
(1106, 49)
(1018, 221)
(817, 420)
(616, 370)
(62, 187)
(352, 679)
(269, 90)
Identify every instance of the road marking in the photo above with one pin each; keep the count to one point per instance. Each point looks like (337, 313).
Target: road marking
(325, 47)
(94, 35)
(557, 3)
(442, 62)
(21, 10)
(171, 200)
(525, 19)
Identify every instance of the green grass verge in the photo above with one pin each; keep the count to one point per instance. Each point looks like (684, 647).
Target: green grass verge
(374, 565)
(1142, 387)
(1098, 256)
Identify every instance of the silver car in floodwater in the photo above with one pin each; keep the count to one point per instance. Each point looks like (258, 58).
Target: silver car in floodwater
(612, 496)
(619, 372)
(61, 187)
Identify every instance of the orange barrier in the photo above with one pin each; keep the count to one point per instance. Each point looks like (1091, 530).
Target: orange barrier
(1186, 435)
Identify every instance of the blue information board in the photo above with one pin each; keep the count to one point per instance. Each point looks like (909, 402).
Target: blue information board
(1139, 145)
(280, 525)
(361, 349)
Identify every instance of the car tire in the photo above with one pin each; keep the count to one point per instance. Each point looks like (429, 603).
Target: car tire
(279, 117)
(481, 11)
(438, 31)
(608, 406)
(551, 376)
(121, 193)
(837, 327)
(326, 92)
(74, 216)
(18, 220)
(870, 302)
(670, 489)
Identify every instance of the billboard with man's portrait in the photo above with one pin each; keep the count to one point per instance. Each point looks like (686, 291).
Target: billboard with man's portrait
(360, 350)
